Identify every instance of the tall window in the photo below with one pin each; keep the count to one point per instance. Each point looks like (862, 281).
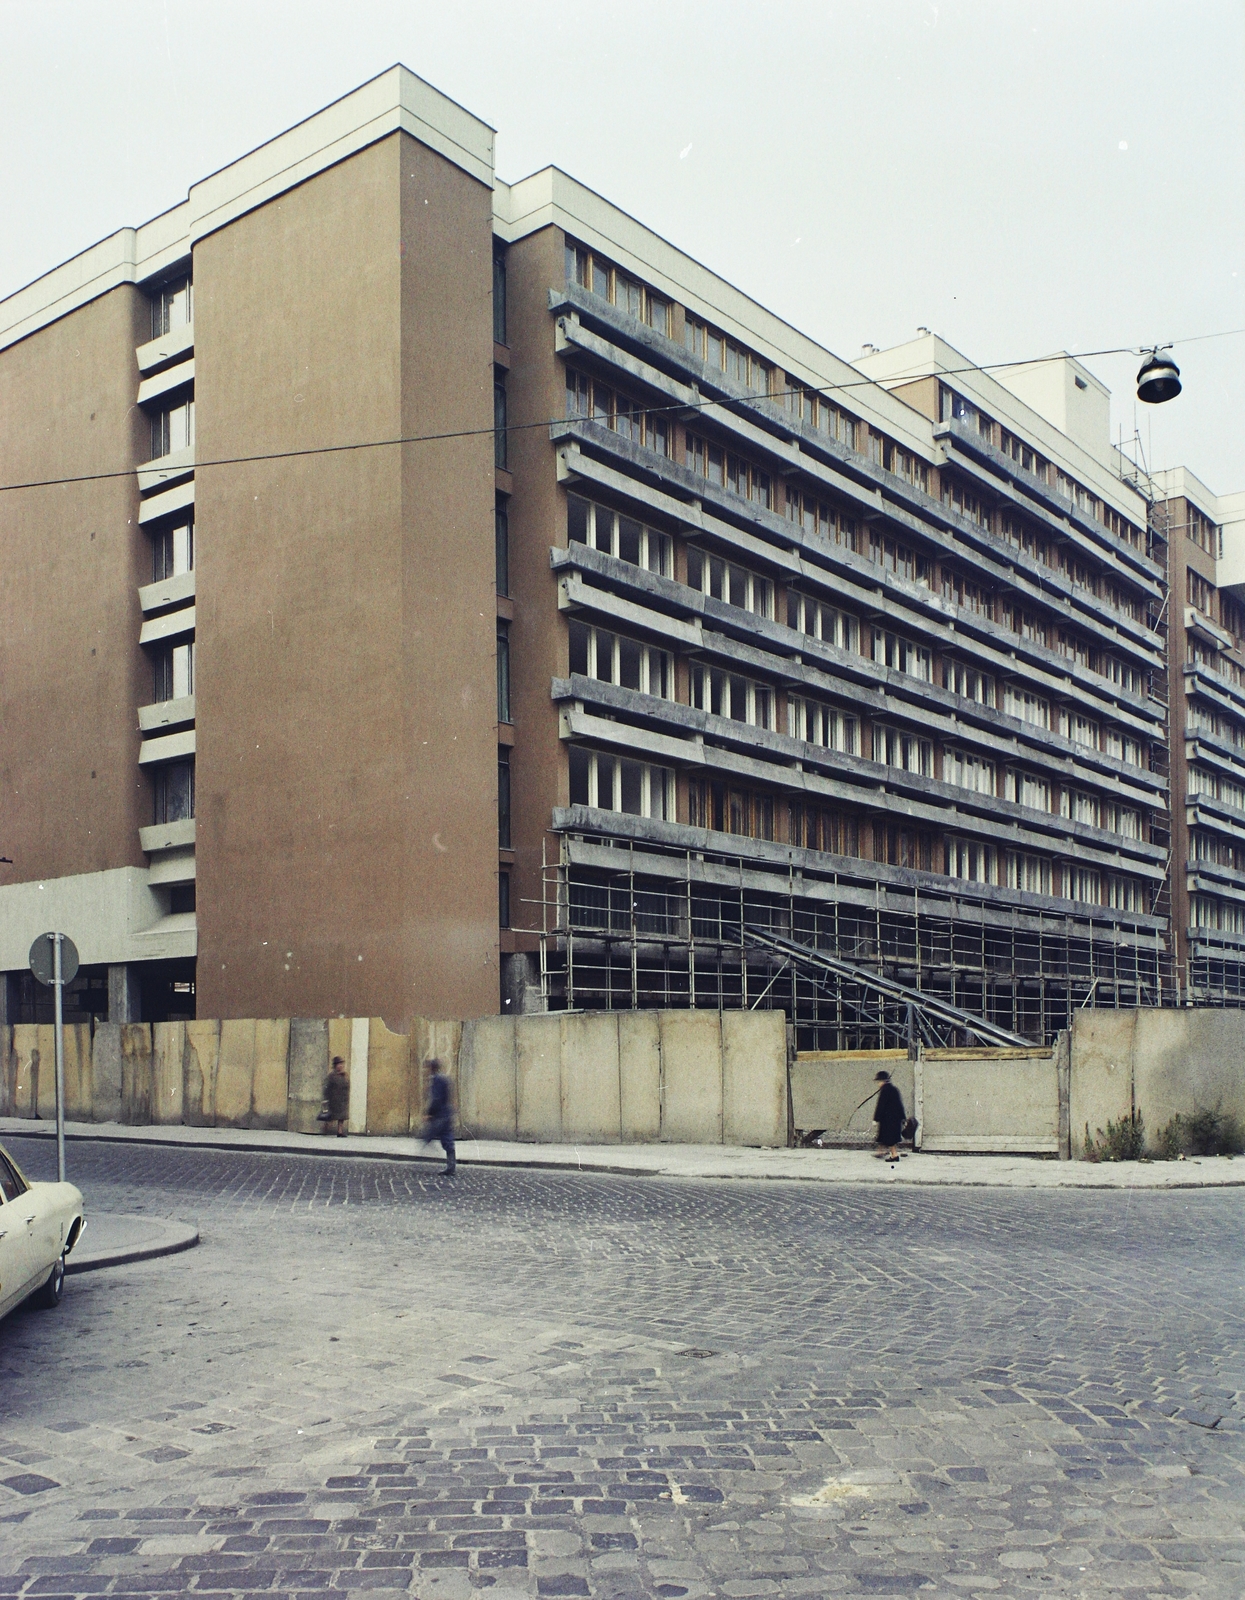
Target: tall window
(499, 424)
(172, 306)
(615, 534)
(173, 551)
(598, 402)
(722, 694)
(503, 799)
(596, 653)
(601, 277)
(503, 675)
(172, 429)
(612, 783)
(732, 584)
(503, 899)
(175, 792)
(175, 672)
(502, 537)
(820, 621)
(966, 770)
(824, 725)
(726, 809)
(499, 296)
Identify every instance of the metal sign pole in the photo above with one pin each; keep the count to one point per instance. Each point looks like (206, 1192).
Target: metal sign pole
(58, 986)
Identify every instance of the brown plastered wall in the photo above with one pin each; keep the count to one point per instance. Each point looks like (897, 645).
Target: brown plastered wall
(448, 828)
(536, 392)
(71, 672)
(309, 894)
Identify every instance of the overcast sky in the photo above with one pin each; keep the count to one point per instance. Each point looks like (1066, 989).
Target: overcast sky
(1022, 178)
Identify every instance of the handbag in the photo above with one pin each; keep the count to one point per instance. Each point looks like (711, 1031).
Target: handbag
(323, 1114)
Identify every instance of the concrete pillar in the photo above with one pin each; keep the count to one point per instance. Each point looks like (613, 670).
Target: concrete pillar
(10, 998)
(124, 994)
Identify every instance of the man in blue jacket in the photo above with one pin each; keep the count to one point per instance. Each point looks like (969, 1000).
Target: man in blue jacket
(439, 1116)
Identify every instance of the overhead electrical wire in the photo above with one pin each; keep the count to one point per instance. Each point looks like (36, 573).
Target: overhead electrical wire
(827, 389)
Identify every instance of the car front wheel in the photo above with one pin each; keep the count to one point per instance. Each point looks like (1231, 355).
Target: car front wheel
(49, 1297)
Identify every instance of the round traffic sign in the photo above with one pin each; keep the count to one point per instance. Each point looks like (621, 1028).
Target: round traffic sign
(42, 959)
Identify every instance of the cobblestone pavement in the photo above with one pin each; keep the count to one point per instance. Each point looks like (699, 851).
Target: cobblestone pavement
(369, 1378)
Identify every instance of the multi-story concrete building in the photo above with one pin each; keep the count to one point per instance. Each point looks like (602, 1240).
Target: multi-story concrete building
(1205, 537)
(437, 594)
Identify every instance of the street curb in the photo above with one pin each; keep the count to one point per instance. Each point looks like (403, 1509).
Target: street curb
(178, 1236)
(314, 1149)
(309, 1146)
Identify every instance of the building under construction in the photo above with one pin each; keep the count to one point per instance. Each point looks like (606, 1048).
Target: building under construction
(888, 692)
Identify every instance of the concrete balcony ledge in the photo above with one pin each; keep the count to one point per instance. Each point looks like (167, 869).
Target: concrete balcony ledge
(164, 504)
(169, 347)
(168, 747)
(167, 836)
(166, 714)
(168, 626)
(165, 382)
(1198, 623)
(166, 470)
(172, 867)
(168, 592)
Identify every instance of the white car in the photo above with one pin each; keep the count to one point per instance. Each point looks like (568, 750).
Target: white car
(39, 1225)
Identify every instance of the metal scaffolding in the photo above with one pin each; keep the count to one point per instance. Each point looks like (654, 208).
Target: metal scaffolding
(632, 937)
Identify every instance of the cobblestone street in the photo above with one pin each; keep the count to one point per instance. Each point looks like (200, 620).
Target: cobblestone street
(367, 1378)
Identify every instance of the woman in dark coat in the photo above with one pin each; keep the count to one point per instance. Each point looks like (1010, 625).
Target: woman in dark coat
(337, 1097)
(888, 1113)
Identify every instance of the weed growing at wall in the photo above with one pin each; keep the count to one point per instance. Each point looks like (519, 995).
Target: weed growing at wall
(1124, 1140)
(1204, 1132)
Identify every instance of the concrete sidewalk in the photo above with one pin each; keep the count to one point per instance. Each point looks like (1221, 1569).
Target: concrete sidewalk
(114, 1240)
(691, 1161)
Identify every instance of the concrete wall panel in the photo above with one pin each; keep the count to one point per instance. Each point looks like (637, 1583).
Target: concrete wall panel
(168, 1049)
(1101, 1082)
(691, 1068)
(24, 1069)
(270, 1087)
(538, 1055)
(827, 1090)
(199, 1088)
(639, 1076)
(107, 1076)
(591, 1096)
(487, 1087)
(1000, 1102)
(136, 1074)
(235, 1073)
(45, 1097)
(389, 1077)
(754, 1077)
(308, 1068)
(79, 1090)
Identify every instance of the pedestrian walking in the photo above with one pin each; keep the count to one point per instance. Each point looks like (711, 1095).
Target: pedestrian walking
(439, 1117)
(337, 1098)
(888, 1113)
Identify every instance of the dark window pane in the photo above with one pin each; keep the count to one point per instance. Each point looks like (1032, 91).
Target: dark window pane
(503, 899)
(503, 551)
(579, 648)
(503, 800)
(632, 787)
(579, 760)
(628, 664)
(629, 540)
(576, 519)
(503, 677)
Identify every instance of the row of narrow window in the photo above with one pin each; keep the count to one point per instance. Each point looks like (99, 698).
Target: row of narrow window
(601, 277)
(609, 657)
(592, 400)
(626, 537)
(614, 783)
